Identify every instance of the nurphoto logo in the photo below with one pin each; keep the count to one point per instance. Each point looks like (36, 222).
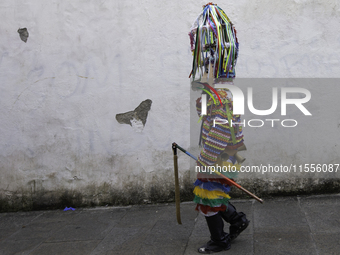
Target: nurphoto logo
(238, 105)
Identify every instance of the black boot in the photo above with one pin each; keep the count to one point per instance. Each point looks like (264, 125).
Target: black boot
(238, 221)
(220, 241)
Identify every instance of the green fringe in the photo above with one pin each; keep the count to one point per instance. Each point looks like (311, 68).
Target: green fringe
(211, 202)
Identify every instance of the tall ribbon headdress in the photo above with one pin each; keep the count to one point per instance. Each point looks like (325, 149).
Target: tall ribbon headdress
(213, 41)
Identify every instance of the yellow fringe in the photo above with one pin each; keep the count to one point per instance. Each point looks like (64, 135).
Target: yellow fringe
(215, 194)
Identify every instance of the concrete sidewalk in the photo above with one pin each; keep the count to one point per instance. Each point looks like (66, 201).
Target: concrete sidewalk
(289, 225)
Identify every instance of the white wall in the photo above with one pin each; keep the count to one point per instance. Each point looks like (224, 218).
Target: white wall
(86, 61)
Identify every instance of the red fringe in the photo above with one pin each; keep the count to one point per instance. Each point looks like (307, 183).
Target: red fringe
(206, 208)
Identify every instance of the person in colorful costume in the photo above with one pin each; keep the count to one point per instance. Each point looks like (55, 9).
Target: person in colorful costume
(215, 51)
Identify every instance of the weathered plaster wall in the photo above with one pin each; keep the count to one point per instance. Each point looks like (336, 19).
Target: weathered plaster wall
(84, 62)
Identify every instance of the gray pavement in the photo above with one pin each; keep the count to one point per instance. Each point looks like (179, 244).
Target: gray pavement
(288, 225)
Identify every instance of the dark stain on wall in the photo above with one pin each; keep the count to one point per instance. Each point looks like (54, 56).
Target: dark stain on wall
(140, 113)
(23, 34)
(158, 192)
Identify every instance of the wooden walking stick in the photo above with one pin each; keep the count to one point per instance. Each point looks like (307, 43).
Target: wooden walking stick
(230, 182)
(177, 195)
